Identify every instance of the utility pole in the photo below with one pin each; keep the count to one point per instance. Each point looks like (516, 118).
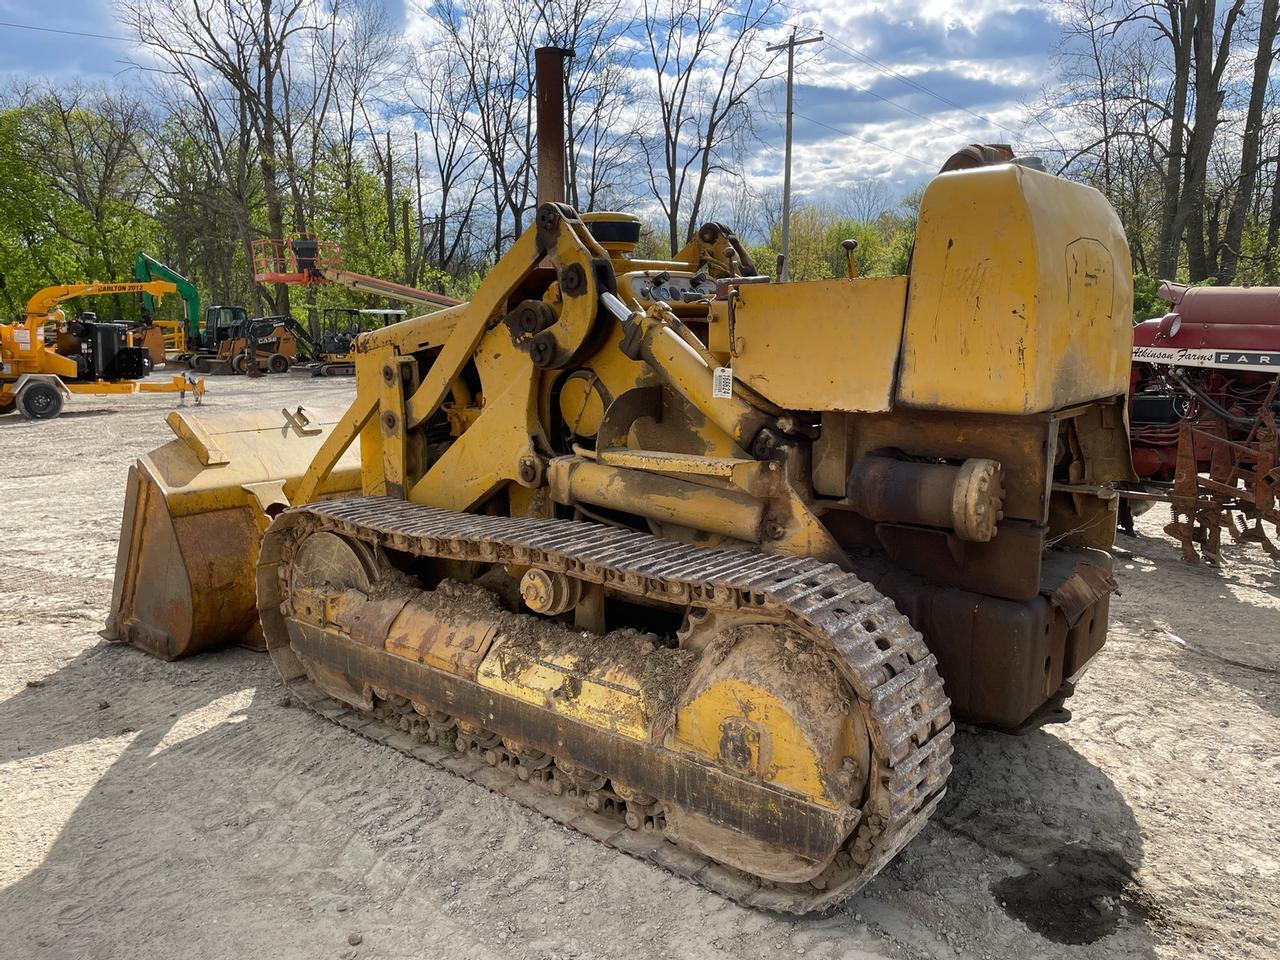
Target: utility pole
(790, 47)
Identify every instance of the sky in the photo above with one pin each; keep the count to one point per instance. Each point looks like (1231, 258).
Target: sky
(890, 92)
(897, 87)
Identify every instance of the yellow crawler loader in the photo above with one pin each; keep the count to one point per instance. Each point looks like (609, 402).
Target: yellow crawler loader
(698, 564)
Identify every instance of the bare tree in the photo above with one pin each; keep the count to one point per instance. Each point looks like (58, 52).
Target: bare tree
(239, 48)
(706, 59)
(205, 162)
(1200, 50)
(338, 48)
(442, 103)
(360, 70)
(492, 42)
(864, 200)
(735, 203)
(1151, 91)
(600, 122)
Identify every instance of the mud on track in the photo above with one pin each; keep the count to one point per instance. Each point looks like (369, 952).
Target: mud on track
(154, 810)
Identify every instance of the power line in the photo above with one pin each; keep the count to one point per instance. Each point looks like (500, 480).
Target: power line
(893, 103)
(885, 69)
(69, 33)
(870, 143)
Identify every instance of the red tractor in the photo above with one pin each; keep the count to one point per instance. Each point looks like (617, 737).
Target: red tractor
(1203, 408)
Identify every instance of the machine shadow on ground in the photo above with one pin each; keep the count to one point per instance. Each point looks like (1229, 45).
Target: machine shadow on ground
(1262, 574)
(8, 421)
(1061, 828)
(1019, 832)
(1020, 821)
(96, 881)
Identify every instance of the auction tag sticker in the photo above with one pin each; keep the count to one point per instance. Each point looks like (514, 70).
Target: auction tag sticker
(722, 383)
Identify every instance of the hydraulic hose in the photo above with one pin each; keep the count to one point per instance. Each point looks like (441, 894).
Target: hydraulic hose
(1209, 402)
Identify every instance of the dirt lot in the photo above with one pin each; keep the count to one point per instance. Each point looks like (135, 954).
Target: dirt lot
(157, 810)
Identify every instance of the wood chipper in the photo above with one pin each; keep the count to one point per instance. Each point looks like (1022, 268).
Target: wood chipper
(698, 564)
(85, 355)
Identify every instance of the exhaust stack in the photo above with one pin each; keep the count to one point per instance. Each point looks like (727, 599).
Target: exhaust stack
(548, 66)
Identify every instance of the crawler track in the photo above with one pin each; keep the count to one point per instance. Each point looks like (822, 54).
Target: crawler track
(884, 661)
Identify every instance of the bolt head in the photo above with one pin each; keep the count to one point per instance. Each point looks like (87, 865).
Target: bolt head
(529, 471)
(541, 351)
(528, 319)
(548, 217)
(573, 279)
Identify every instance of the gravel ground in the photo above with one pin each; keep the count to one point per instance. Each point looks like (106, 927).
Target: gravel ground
(157, 810)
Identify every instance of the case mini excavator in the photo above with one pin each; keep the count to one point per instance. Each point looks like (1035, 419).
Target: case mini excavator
(699, 565)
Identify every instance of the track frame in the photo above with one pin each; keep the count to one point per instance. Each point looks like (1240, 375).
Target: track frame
(883, 659)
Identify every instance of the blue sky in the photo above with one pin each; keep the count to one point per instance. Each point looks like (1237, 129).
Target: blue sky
(970, 70)
(34, 53)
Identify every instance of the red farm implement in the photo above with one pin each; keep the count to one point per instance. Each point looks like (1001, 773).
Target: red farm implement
(1203, 410)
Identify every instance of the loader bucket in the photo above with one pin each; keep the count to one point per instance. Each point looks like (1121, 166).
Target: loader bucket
(194, 513)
